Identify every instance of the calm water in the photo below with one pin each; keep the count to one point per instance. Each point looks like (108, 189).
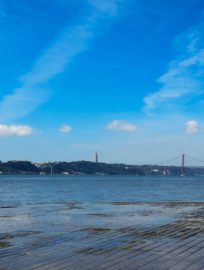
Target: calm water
(58, 203)
(51, 189)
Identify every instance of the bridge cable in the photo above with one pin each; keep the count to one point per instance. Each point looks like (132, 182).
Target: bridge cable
(195, 159)
(166, 161)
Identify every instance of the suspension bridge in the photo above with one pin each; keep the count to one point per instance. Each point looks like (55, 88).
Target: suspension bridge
(185, 162)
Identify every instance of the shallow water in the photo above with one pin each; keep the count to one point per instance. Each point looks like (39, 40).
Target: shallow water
(51, 204)
(46, 221)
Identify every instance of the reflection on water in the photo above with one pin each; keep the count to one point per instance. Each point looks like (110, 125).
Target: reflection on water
(50, 205)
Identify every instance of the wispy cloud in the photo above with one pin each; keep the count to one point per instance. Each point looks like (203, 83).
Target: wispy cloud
(15, 130)
(65, 128)
(69, 44)
(122, 125)
(192, 127)
(184, 76)
(21, 102)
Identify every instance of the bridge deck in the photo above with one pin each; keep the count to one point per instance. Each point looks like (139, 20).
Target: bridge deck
(178, 245)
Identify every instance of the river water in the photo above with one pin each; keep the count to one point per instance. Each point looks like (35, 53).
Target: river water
(50, 204)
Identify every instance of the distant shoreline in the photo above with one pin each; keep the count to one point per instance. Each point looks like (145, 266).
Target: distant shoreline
(93, 168)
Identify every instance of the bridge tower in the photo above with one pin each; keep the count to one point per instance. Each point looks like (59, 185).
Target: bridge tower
(182, 164)
(96, 156)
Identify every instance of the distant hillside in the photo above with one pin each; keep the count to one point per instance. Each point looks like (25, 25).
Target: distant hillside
(87, 167)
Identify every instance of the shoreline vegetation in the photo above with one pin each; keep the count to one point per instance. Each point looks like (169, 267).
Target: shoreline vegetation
(93, 168)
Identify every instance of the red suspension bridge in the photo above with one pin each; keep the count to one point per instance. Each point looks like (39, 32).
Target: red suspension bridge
(185, 162)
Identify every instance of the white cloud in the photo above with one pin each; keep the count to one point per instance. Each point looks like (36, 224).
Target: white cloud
(184, 76)
(192, 127)
(65, 128)
(70, 43)
(15, 130)
(121, 125)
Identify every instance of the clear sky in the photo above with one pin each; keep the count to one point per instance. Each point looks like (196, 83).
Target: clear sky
(124, 77)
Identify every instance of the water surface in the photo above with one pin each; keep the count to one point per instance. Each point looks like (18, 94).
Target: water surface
(51, 204)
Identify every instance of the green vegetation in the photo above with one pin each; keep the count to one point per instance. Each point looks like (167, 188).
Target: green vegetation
(92, 168)
(16, 167)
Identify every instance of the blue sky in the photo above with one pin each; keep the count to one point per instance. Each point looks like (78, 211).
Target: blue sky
(124, 77)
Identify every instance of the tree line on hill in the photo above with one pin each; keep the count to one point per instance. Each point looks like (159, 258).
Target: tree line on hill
(87, 167)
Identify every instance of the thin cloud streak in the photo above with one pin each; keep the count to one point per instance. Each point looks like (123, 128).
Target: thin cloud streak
(184, 76)
(21, 102)
(69, 45)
